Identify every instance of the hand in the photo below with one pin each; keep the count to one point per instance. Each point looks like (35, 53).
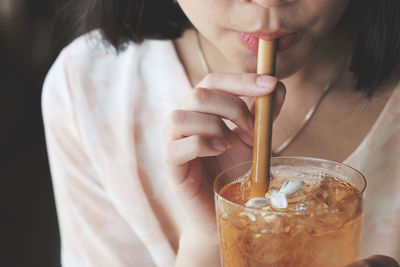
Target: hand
(199, 145)
(375, 261)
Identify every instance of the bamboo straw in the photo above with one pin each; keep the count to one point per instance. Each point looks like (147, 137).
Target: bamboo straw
(266, 62)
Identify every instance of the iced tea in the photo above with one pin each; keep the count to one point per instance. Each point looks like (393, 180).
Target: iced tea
(320, 227)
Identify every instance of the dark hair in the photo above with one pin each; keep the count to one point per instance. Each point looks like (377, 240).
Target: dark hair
(375, 22)
(135, 20)
(377, 45)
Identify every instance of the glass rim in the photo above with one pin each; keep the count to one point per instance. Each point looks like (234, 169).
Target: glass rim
(289, 212)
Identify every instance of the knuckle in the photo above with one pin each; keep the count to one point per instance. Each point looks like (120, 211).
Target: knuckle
(197, 143)
(248, 81)
(209, 80)
(177, 117)
(201, 96)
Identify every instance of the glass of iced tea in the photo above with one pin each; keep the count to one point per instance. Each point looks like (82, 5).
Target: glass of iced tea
(321, 225)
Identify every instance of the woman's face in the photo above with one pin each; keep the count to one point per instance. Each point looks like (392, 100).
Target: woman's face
(234, 26)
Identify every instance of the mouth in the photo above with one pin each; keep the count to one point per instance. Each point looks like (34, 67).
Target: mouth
(284, 39)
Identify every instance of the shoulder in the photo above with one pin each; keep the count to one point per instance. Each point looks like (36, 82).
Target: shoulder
(92, 62)
(89, 66)
(94, 83)
(84, 77)
(89, 55)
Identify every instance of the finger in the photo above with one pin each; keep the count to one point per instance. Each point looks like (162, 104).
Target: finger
(280, 94)
(221, 104)
(247, 84)
(183, 123)
(184, 150)
(375, 260)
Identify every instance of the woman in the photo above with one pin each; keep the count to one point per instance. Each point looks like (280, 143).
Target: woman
(105, 113)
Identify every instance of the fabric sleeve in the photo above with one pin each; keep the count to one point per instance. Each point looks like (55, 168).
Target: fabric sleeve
(93, 233)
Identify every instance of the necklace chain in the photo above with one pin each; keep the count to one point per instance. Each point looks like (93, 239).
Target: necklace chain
(306, 119)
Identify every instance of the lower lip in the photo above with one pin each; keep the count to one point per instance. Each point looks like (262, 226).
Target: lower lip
(251, 41)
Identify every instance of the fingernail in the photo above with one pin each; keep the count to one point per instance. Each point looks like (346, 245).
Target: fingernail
(264, 81)
(218, 144)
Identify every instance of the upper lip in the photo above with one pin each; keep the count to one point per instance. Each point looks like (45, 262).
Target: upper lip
(270, 36)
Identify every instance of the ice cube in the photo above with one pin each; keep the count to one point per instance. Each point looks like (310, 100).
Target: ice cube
(257, 202)
(278, 200)
(290, 187)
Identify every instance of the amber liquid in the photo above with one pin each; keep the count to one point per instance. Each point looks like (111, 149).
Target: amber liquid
(321, 227)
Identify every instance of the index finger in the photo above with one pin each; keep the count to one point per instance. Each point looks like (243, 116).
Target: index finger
(244, 84)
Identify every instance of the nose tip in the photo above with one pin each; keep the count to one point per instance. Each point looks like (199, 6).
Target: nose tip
(272, 3)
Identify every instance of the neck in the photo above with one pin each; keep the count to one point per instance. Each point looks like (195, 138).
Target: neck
(187, 50)
(330, 57)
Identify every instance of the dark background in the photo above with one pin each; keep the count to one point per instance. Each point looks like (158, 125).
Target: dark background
(32, 33)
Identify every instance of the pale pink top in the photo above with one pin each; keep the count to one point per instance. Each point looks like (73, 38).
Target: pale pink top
(104, 116)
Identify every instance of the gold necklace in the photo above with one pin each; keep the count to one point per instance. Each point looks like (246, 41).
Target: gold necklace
(306, 119)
